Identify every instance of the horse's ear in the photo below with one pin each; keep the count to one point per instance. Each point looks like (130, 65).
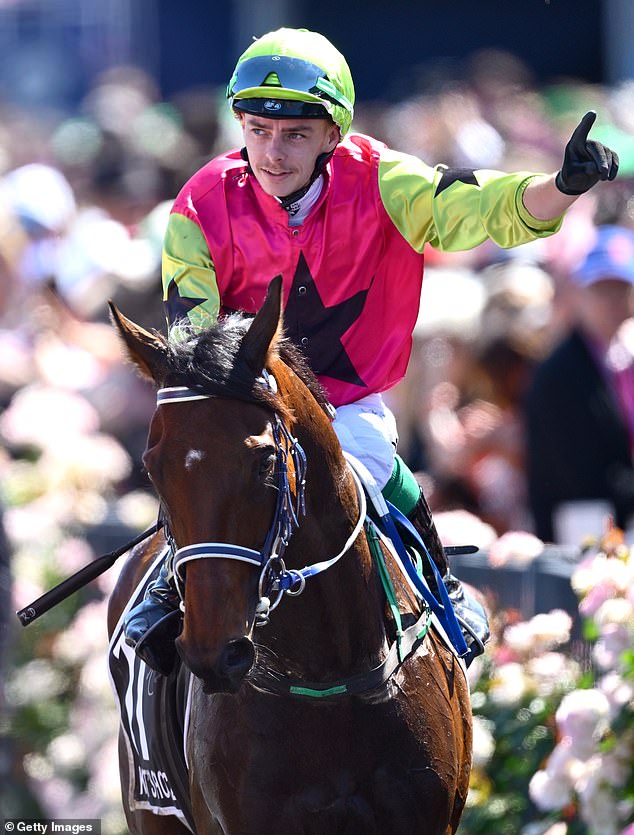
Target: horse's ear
(146, 350)
(259, 341)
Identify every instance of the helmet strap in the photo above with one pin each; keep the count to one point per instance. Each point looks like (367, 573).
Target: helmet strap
(245, 156)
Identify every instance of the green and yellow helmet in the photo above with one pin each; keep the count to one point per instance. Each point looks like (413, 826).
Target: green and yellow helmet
(291, 74)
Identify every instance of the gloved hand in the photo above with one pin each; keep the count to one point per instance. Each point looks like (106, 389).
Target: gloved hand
(585, 160)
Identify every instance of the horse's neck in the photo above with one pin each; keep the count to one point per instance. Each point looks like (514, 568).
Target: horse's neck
(336, 627)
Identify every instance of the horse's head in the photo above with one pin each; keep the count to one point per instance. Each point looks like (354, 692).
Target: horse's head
(216, 444)
(211, 462)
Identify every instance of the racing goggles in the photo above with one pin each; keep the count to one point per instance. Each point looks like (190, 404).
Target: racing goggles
(293, 74)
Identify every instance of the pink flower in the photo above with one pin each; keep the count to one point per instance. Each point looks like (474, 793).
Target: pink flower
(596, 597)
(515, 547)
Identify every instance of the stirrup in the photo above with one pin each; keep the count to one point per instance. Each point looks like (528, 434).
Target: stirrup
(471, 616)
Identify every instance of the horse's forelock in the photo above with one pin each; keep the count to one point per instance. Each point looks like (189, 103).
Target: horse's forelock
(210, 360)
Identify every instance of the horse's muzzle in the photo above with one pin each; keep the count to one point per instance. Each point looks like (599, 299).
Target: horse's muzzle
(228, 672)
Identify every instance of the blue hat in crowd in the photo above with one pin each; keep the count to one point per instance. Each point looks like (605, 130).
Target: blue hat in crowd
(611, 256)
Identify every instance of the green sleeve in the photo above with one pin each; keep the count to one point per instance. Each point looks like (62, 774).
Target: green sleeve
(457, 209)
(190, 289)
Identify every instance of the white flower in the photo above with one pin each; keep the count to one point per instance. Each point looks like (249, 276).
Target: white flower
(615, 610)
(87, 462)
(553, 672)
(563, 763)
(509, 684)
(85, 636)
(542, 632)
(582, 718)
(617, 690)
(35, 681)
(549, 792)
(596, 800)
(586, 574)
(137, 509)
(551, 629)
(483, 741)
(40, 520)
(67, 752)
(42, 416)
(519, 637)
(615, 639)
(615, 767)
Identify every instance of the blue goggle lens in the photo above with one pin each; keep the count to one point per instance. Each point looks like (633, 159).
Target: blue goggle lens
(293, 74)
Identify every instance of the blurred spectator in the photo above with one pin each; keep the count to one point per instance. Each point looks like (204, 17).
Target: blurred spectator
(39, 205)
(580, 407)
(483, 333)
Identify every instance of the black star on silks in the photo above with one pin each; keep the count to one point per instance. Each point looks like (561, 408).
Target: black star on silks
(177, 306)
(452, 175)
(317, 329)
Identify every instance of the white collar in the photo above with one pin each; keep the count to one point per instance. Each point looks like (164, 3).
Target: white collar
(300, 209)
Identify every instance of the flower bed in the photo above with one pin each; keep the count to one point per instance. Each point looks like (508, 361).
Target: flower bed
(554, 735)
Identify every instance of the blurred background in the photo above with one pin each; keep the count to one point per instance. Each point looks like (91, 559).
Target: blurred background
(106, 108)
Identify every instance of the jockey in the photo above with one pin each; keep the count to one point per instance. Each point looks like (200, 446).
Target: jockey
(344, 220)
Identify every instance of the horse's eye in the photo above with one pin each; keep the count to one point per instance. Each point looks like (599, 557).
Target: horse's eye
(266, 462)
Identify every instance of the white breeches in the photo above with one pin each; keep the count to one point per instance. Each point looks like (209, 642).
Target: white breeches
(367, 430)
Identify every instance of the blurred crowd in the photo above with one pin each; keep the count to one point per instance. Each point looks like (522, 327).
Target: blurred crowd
(83, 203)
(84, 198)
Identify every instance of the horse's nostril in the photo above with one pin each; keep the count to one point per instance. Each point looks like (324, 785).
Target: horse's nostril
(237, 657)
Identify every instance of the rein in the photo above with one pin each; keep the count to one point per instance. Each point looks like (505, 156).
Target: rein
(275, 578)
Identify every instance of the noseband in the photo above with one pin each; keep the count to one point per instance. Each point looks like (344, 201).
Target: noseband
(275, 579)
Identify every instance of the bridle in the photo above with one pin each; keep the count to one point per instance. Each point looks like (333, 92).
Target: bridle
(275, 578)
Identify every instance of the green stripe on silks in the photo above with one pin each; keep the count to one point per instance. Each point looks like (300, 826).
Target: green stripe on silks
(402, 489)
(386, 581)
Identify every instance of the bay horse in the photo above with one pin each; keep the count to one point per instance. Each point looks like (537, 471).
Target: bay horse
(292, 730)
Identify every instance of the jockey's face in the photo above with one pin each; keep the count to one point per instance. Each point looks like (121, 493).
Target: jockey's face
(283, 152)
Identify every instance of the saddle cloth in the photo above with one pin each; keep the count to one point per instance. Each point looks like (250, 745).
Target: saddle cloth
(154, 713)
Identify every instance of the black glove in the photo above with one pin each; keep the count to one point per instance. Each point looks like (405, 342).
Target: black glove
(585, 161)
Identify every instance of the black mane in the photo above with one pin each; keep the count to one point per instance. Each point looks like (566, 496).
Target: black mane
(211, 362)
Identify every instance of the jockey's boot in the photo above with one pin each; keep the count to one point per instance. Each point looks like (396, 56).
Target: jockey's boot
(470, 614)
(405, 493)
(153, 625)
